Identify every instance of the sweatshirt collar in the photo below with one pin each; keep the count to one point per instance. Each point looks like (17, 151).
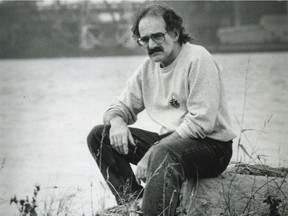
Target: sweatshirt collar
(173, 64)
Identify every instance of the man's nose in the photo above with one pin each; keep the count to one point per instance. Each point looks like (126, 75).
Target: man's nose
(151, 44)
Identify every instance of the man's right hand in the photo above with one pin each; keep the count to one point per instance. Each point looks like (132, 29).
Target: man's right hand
(120, 135)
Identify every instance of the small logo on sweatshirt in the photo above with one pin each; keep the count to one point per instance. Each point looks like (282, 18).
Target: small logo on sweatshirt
(174, 103)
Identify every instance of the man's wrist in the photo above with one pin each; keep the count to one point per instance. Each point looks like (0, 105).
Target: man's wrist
(116, 119)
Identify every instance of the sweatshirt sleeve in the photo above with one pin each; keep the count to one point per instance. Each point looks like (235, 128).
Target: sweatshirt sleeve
(203, 99)
(130, 102)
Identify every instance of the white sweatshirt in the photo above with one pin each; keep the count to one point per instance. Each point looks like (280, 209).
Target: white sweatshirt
(187, 96)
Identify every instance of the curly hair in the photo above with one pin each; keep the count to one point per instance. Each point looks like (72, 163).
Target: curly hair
(172, 19)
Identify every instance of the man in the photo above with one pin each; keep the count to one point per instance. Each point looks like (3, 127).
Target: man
(181, 89)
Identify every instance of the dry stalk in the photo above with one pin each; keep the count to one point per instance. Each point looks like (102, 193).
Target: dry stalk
(194, 192)
(91, 197)
(101, 146)
(2, 165)
(168, 207)
(244, 106)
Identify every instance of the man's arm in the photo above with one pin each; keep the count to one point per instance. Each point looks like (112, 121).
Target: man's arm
(204, 98)
(109, 116)
(123, 111)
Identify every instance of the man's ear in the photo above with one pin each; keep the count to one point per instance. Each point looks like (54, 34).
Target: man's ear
(176, 34)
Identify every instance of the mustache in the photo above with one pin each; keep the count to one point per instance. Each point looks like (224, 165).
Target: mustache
(155, 49)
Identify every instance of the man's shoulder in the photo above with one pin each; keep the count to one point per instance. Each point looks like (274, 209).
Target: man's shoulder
(193, 53)
(195, 49)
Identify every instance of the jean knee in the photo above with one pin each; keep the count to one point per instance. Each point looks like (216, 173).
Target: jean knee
(163, 156)
(163, 151)
(157, 153)
(94, 137)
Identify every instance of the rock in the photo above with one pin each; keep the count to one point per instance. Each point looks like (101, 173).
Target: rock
(234, 193)
(129, 209)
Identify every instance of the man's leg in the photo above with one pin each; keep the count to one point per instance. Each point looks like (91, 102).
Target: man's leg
(171, 163)
(115, 167)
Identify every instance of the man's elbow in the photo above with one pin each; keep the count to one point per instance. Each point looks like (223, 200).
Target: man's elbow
(204, 129)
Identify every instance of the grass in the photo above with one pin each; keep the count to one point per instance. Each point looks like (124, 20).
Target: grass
(26, 206)
(65, 203)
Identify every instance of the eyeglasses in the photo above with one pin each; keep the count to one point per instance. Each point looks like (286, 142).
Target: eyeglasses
(158, 38)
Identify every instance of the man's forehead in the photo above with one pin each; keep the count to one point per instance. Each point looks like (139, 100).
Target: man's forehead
(151, 24)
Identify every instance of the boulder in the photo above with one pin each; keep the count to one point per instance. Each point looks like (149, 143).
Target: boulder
(240, 190)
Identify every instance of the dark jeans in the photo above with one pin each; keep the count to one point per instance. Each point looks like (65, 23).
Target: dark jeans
(169, 165)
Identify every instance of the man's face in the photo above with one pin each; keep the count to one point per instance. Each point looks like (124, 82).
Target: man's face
(158, 51)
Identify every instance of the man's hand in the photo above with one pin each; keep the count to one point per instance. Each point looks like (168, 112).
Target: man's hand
(120, 135)
(141, 170)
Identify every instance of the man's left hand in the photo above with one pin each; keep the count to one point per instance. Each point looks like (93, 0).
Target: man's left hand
(141, 170)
